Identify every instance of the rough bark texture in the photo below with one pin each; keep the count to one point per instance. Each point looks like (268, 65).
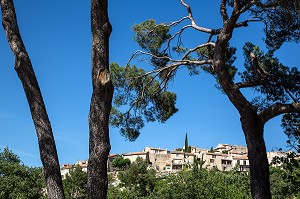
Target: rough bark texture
(101, 101)
(39, 115)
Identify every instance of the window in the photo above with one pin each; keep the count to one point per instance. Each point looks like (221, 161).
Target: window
(238, 161)
(212, 160)
(244, 162)
(213, 156)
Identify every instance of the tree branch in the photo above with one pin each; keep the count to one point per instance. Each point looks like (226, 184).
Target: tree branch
(245, 23)
(175, 23)
(278, 109)
(240, 85)
(191, 18)
(196, 48)
(175, 64)
(247, 5)
(223, 11)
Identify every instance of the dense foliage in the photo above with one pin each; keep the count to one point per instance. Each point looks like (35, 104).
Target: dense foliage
(197, 183)
(75, 183)
(154, 104)
(140, 182)
(138, 178)
(120, 163)
(291, 124)
(285, 177)
(281, 20)
(18, 180)
(274, 82)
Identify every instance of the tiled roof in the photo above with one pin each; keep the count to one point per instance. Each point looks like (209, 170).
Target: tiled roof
(135, 153)
(156, 148)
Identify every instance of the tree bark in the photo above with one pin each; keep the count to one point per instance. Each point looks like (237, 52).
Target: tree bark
(259, 167)
(38, 111)
(100, 103)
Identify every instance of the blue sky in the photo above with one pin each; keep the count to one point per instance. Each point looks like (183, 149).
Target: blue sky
(58, 39)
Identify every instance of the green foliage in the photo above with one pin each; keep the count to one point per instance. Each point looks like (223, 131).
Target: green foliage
(143, 95)
(18, 180)
(121, 163)
(137, 178)
(282, 22)
(285, 179)
(281, 19)
(139, 182)
(202, 183)
(280, 184)
(151, 36)
(75, 183)
(291, 124)
(117, 193)
(276, 82)
(9, 157)
(198, 163)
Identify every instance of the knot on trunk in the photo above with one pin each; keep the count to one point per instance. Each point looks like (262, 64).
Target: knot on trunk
(103, 76)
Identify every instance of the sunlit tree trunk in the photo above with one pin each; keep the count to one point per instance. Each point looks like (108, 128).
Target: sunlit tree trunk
(38, 111)
(101, 101)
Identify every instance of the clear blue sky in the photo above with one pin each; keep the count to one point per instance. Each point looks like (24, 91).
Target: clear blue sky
(58, 39)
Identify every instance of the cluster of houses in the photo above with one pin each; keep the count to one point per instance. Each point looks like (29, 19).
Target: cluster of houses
(224, 157)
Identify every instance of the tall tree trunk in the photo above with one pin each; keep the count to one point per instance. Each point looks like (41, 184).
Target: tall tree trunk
(257, 154)
(252, 124)
(101, 101)
(38, 111)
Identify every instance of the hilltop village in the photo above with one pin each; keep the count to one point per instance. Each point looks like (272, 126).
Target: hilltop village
(223, 157)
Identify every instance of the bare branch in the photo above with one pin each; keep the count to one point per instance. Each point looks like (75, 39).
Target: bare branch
(190, 16)
(175, 35)
(278, 109)
(174, 23)
(175, 64)
(196, 48)
(140, 52)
